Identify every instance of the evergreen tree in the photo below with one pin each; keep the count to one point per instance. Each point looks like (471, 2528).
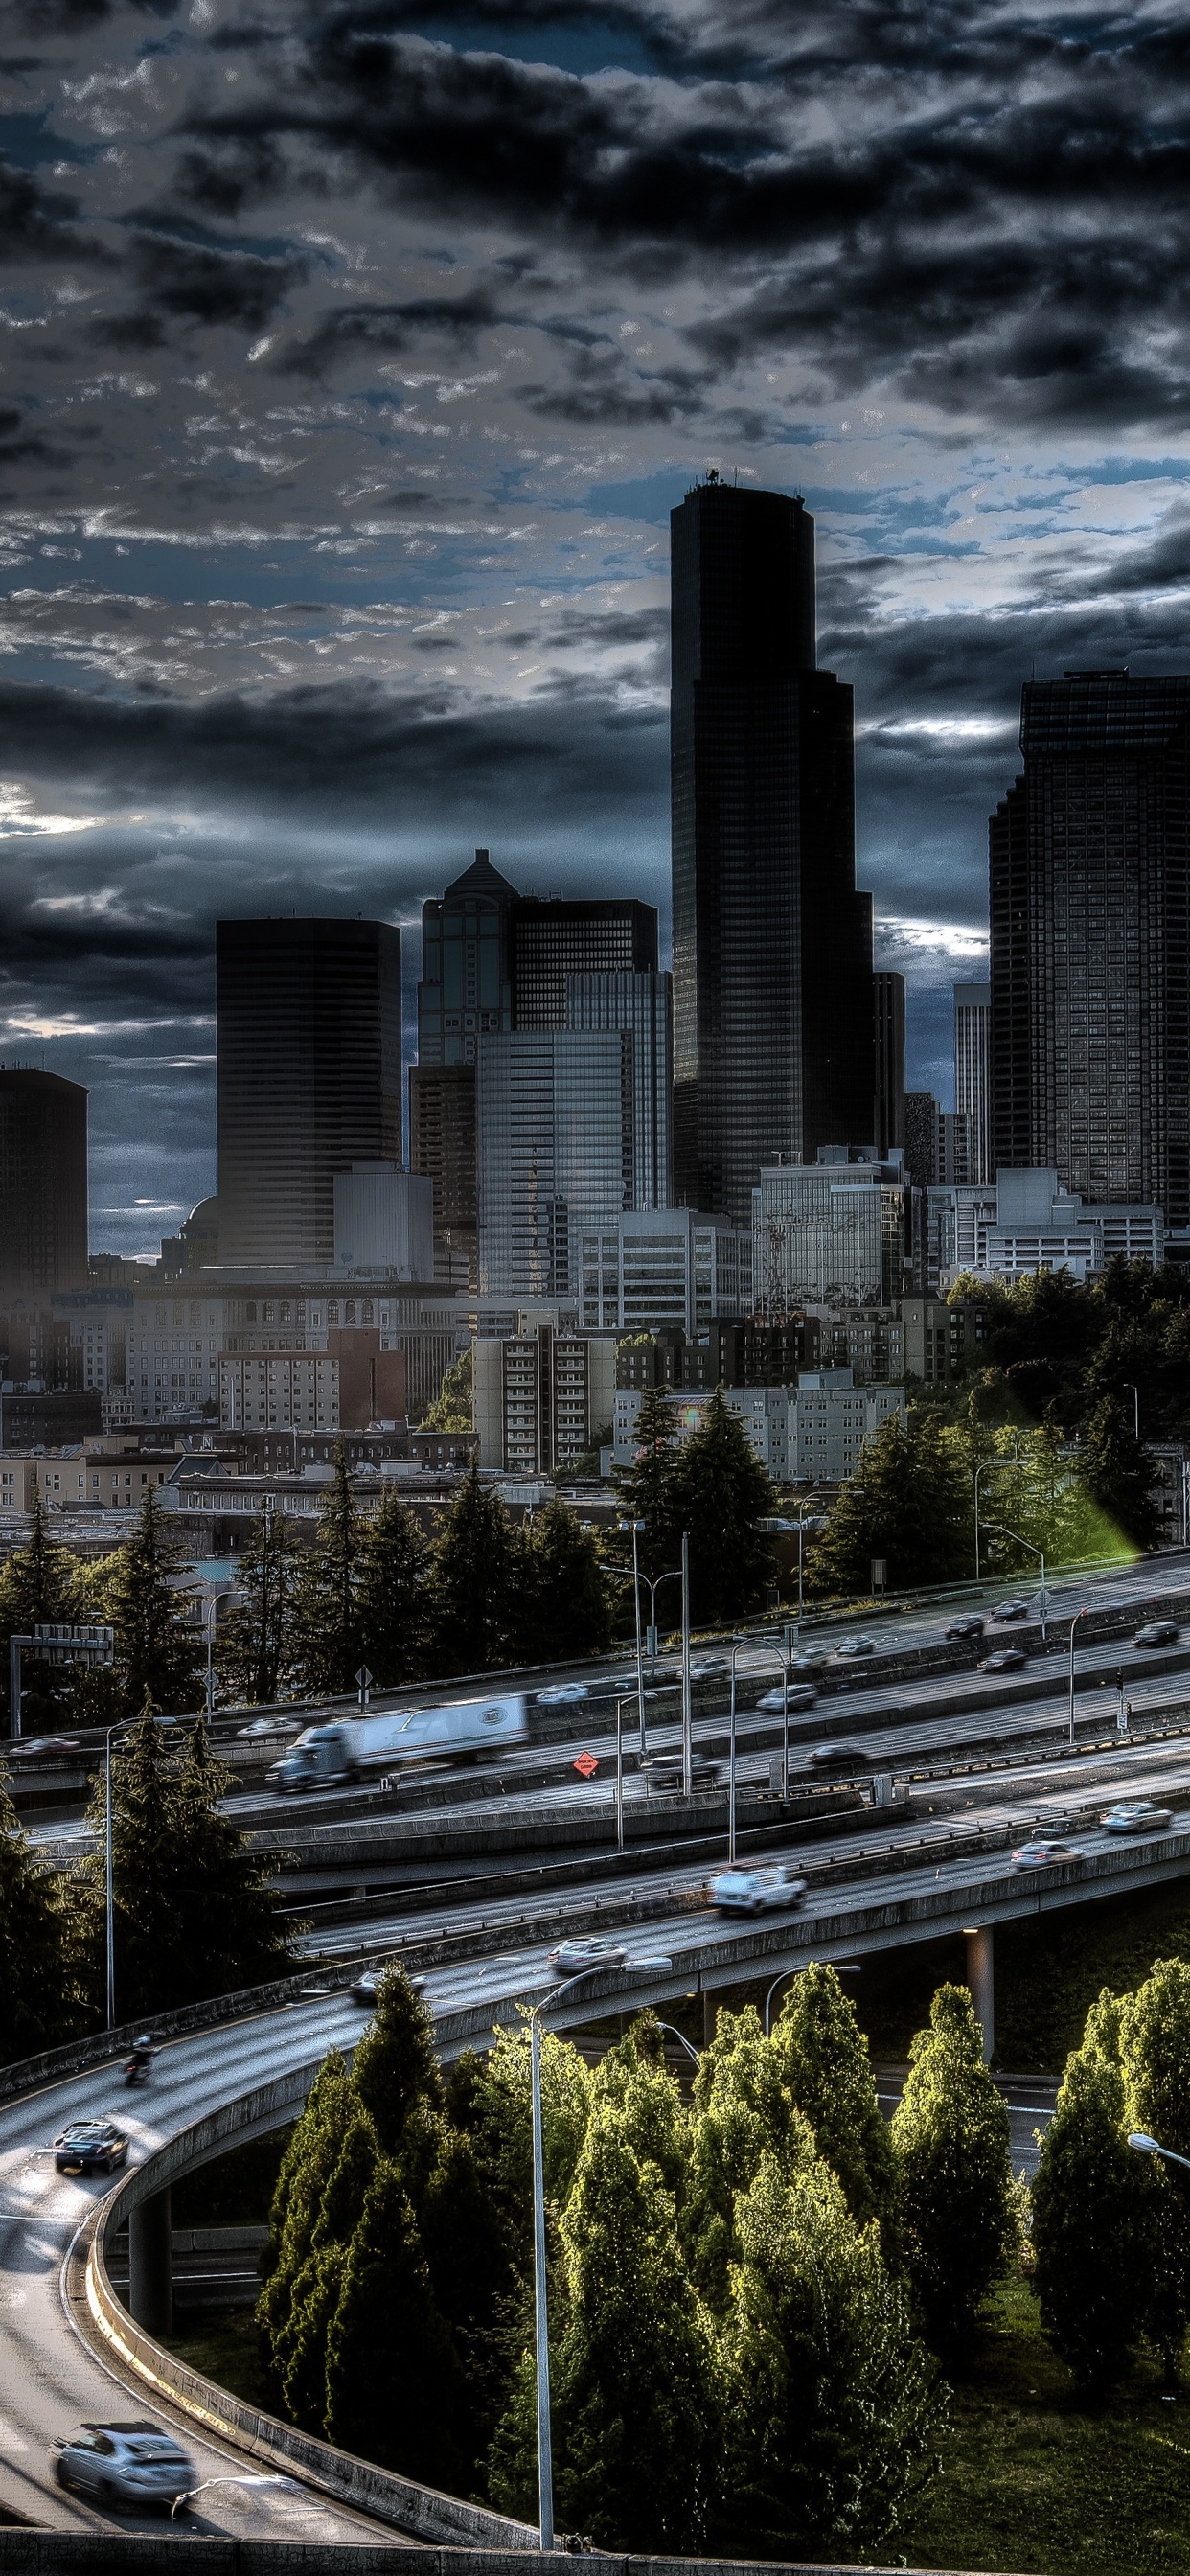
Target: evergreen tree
(566, 1610)
(825, 2066)
(950, 2136)
(1093, 2210)
(396, 2071)
(1155, 2057)
(393, 2384)
(327, 1629)
(908, 1502)
(392, 1597)
(300, 2351)
(832, 2406)
(193, 1915)
(1117, 1474)
(254, 1644)
(743, 2112)
(306, 2167)
(633, 2383)
(472, 1606)
(647, 1490)
(158, 1656)
(720, 1494)
(39, 1587)
(43, 1998)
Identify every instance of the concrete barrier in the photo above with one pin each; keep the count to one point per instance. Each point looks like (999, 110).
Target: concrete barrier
(94, 2553)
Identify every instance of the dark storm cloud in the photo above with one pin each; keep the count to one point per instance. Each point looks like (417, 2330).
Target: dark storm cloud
(387, 330)
(38, 223)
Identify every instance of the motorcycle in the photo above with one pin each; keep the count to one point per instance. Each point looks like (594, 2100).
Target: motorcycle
(138, 2063)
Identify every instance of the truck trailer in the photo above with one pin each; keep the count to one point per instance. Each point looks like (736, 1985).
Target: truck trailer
(356, 1748)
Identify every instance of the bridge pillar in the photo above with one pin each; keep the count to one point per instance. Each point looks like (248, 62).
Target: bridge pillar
(150, 2277)
(710, 2016)
(981, 1977)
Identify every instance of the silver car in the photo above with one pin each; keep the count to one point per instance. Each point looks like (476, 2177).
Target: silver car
(1136, 1816)
(801, 1695)
(756, 1891)
(124, 2464)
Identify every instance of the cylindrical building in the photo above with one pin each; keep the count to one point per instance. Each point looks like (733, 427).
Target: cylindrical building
(43, 1183)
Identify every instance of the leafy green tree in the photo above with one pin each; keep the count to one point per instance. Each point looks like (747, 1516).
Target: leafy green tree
(1117, 1475)
(453, 1408)
(1093, 2213)
(633, 2380)
(395, 2073)
(300, 2349)
(1155, 2057)
(43, 1996)
(472, 1603)
(38, 1587)
(832, 2406)
(393, 1594)
(193, 1914)
(824, 2062)
(743, 2112)
(158, 1654)
(909, 1502)
(254, 1644)
(565, 1608)
(393, 2383)
(306, 2167)
(720, 1493)
(327, 1630)
(950, 2137)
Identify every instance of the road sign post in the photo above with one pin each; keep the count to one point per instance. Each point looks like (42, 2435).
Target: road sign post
(55, 1642)
(364, 1679)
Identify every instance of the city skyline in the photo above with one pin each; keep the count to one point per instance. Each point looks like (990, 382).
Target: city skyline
(337, 464)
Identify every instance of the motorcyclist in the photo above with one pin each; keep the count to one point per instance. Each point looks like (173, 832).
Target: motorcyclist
(138, 2061)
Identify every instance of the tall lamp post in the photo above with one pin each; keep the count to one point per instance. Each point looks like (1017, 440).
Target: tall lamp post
(124, 1727)
(782, 1661)
(1018, 1541)
(842, 1968)
(1079, 1614)
(1134, 1392)
(1146, 2146)
(636, 1527)
(545, 2455)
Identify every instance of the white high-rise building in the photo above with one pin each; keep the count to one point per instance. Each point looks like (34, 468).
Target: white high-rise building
(973, 1078)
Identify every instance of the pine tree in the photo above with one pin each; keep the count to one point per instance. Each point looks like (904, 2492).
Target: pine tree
(950, 2137)
(647, 1490)
(472, 1609)
(1093, 2212)
(395, 2070)
(393, 2383)
(38, 1587)
(301, 2350)
(453, 1408)
(327, 1630)
(908, 1501)
(743, 2112)
(635, 2382)
(157, 1653)
(193, 1915)
(567, 1611)
(1117, 1475)
(43, 1998)
(832, 2406)
(306, 2167)
(392, 1596)
(1155, 2057)
(825, 2065)
(720, 1494)
(254, 1644)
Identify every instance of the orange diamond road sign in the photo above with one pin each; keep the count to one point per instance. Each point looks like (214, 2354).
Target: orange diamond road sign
(586, 1763)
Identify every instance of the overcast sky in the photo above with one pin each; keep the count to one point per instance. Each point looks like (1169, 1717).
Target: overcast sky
(352, 360)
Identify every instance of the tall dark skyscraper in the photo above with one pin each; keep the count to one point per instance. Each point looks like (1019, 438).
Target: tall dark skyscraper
(888, 993)
(552, 939)
(43, 1183)
(1090, 920)
(309, 1034)
(773, 1010)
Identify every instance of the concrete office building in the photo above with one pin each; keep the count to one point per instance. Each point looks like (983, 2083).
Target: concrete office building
(1090, 941)
(43, 1183)
(937, 1143)
(772, 945)
(639, 1006)
(829, 1234)
(176, 1340)
(350, 1384)
(309, 1035)
(888, 991)
(1038, 1225)
(542, 1396)
(663, 1268)
(553, 939)
(973, 1076)
(809, 1434)
(384, 1222)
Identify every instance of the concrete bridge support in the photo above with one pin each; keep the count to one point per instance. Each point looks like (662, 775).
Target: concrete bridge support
(150, 2275)
(981, 1977)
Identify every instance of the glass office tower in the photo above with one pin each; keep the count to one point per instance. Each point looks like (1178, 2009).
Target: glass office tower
(772, 945)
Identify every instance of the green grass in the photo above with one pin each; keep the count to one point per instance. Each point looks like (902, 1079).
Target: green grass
(1032, 2482)
(226, 2348)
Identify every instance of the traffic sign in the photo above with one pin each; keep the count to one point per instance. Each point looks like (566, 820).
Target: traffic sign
(586, 1763)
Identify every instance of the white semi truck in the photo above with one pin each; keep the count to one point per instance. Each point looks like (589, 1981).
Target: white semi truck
(354, 1748)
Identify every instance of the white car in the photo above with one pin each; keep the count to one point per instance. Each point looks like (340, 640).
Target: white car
(849, 1648)
(124, 2464)
(801, 1695)
(1047, 1848)
(586, 1950)
(756, 1891)
(704, 1665)
(563, 1694)
(268, 1726)
(1136, 1816)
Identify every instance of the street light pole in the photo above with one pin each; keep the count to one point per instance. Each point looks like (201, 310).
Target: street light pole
(1079, 1614)
(842, 1968)
(121, 1728)
(687, 1721)
(1134, 1392)
(1146, 2146)
(1018, 1541)
(636, 1526)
